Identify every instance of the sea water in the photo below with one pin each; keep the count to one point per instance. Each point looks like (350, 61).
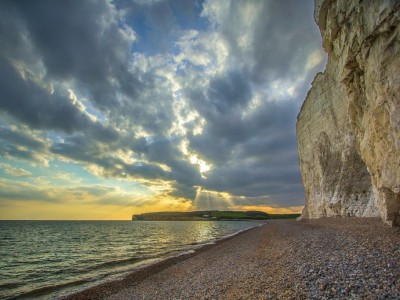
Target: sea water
(49, 259)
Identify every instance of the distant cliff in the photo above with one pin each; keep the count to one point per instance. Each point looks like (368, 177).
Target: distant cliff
(211, 215)
(348, 129)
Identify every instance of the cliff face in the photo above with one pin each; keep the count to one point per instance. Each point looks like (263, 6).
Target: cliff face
(349, 126)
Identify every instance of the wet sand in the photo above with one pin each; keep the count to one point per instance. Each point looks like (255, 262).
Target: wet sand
(337, 258)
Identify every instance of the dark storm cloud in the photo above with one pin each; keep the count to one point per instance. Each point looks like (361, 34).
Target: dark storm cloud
(8, 150)
(136, 101)
(76, 40)
(261, 177)
(81, 44)
(257, 155)
(221, 104)
(78, 148)
(150, 155)
(287, 35)
(270, 130)
(283, 32)
(167, 152)
(224, 95)
(21, 144)
(36, 107)
(21, 138)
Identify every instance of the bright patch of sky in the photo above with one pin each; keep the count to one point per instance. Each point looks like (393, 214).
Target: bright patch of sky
(150, 105)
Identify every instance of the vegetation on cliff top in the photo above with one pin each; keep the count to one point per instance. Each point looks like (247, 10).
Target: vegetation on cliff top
(210, 215)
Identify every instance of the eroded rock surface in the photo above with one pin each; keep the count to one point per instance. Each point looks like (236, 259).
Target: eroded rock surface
(349, 126)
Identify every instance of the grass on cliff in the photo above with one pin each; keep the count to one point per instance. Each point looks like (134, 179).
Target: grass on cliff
(213, 215)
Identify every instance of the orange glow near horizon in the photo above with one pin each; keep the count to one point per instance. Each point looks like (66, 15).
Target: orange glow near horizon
(171, 114)
(36, 210)
(273, 210)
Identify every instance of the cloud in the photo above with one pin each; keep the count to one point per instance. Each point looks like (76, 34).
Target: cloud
(84, 43)
(211, 200)
(159, 23)
(271, 39)
(21, 137)
(22, 144)
(45, 192)
(171, 95)
(250, 104)
(35, 106)
(16, 172)
(98, 199)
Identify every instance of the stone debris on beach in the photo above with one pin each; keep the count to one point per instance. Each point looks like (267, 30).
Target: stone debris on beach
(339, 258)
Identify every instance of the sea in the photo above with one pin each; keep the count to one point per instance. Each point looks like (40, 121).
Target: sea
(51, 259)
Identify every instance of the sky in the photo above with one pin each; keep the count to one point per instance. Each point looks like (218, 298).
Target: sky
(113, 108)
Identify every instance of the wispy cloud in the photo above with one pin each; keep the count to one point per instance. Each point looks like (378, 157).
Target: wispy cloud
(169, 95)
(17, 172)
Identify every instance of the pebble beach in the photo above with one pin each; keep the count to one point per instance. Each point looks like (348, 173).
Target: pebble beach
(329, 258)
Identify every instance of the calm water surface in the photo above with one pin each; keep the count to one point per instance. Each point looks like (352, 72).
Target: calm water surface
(48, 259)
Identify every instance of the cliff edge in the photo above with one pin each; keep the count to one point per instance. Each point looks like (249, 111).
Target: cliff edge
(348, 129)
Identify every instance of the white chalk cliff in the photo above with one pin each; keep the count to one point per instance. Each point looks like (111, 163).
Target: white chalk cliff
(348, 129)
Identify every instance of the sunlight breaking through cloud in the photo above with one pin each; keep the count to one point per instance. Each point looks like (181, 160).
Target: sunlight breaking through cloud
(211, 200)
(167, 96)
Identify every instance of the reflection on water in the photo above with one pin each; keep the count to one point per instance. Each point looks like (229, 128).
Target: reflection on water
(66, 254)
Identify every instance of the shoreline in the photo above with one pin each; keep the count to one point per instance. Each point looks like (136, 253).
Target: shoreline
(314, 259)
(142, 272)
(92, 270)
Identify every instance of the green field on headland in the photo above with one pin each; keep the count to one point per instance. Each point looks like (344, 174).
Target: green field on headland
(210, 216)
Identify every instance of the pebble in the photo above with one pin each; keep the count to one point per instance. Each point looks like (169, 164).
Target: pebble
(337, 258)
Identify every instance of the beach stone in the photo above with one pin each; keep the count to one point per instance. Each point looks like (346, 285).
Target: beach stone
(348, 129)
(273, 262)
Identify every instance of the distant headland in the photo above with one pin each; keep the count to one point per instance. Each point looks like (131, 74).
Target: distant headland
(210, 215)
